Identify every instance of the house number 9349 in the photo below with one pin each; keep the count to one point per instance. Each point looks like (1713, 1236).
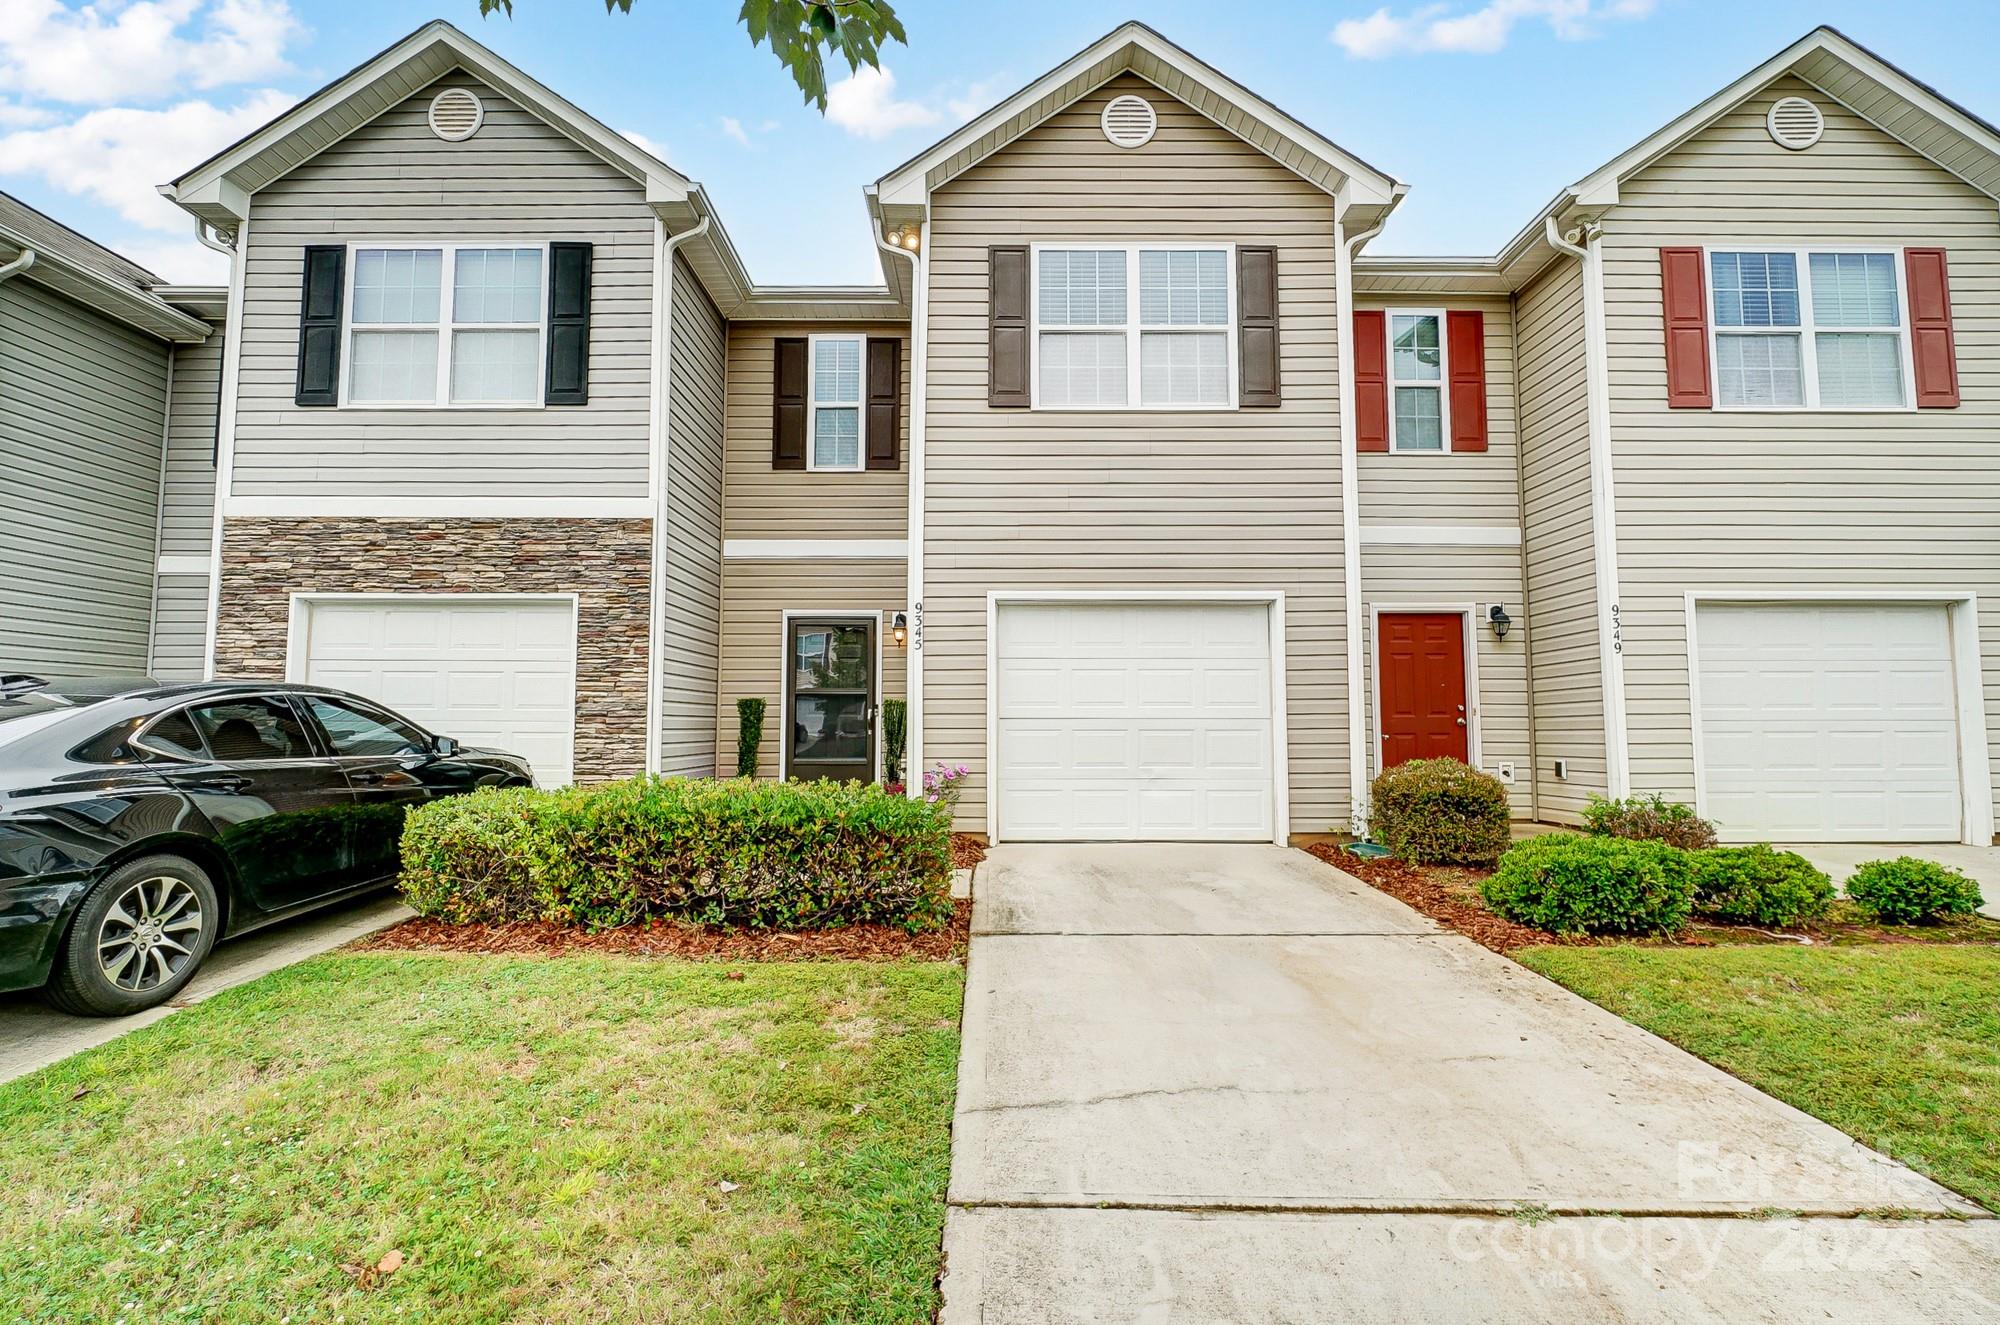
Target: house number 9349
(1617, 631)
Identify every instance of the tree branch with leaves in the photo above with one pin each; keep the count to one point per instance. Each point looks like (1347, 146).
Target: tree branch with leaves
(799, 32)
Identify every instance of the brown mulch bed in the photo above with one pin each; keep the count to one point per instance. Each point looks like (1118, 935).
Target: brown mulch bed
(1449, 897)
(854, 943)
(966, 851)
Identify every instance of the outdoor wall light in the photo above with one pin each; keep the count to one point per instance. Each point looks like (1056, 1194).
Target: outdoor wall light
(899, 627)
(1496, 617)
(906, 236)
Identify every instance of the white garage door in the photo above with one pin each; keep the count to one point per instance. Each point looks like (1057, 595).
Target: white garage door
(1134, 721)
(496, 672)
(1829, 722)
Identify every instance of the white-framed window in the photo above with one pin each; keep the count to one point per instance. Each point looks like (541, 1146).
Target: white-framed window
(460, 325)
(1419, 407)
(1134, 326)
(1808, 328)
(834, 373)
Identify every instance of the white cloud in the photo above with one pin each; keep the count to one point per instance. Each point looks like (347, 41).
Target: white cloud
(864, 104)
(177, 262)
(977, 99)
(732, 128)
(115, 156)
(107, 52)
(646, 144)
(1478, 32)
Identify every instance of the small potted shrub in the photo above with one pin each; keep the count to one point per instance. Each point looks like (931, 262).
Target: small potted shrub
(1569, 884)
(1440, 812)
(1758, 885)
(1909, 891)
(1649, 819)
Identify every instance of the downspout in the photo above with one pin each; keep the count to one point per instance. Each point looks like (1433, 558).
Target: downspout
(913, 685)
(1358, 762)
(1534, 781)
(1603, 512)
(664, 248)
(18, 265)
(225, 426)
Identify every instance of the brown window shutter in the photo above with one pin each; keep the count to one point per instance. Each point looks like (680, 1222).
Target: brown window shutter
(788, 403)
(1257, 328)
(1465, 356)
(1007, 326)
(1932, 350)
(1685, 301)
(885, 403)
(1371, 380)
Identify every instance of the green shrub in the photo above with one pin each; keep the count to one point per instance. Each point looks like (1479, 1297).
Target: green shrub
(1649, 819)
(1908, 891)
(895, 734)
(1439, 812)
(1757, 885)
(792, 855)
(1585, 885)
(749, 735)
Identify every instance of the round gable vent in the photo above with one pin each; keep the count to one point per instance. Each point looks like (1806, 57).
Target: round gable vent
(1795, 122)
(456, 114)
(1129, 121)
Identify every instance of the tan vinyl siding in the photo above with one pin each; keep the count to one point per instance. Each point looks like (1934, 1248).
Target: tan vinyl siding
(1440, 579)
(1792, 500)
(1141, 499)
(755, 597)
(1475, 488)
(694, 531)
(790, 503)
(518, 179)
(82, 414)
(1557, 547)
(180, 628)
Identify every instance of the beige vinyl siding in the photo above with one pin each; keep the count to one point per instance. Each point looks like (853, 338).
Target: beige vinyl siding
(518, 179)
(1441, 579)
(1558, 552)
(82, 416)
(187, 497)
(1792, 500)
(1474, 488)
(694, 531)
(755, 597)
(1147, 500)
(180, 628)
(790, 503)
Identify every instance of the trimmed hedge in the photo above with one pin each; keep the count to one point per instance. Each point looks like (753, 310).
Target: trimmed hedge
(1439, 812)
(1569, 884)
(1909, 891)
(791, 855)
(1649, 819)
(1758, 885)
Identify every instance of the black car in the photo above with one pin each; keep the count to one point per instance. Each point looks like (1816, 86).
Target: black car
(141, 821)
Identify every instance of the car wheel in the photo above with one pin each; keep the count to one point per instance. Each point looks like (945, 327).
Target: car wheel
(137, 938)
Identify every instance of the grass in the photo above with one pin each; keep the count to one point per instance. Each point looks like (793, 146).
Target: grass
(573, 1139)
(1898, 1045)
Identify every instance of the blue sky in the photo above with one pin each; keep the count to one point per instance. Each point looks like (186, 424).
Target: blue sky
(1486, 107)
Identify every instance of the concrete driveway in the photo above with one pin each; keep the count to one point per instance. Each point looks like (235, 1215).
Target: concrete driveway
(1206, 1084)
(1981, 864)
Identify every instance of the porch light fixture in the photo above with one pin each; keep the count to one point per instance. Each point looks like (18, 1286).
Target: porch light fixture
(1496, 617)
(899, 628)
(906, 236)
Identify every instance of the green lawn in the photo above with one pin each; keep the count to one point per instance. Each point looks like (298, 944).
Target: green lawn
(1896, 1045)
(542, 1140)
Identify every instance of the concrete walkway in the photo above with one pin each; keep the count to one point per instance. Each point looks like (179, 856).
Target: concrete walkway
(1981, 864)
(1207, 1084)
(33, 1034)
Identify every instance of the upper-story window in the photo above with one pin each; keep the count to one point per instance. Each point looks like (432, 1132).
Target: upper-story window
(1416, 382)
(1098, 347)
(833, 415)
(445, 324)
(1808, 329)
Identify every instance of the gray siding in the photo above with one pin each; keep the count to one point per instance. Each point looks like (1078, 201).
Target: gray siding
(180, 627)
(1557, 547)
(1792, 500)
(187, 509)
(517, 179)
(694, 531)
(82, 412)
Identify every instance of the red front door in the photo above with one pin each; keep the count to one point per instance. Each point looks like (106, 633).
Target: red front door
(1422, 665)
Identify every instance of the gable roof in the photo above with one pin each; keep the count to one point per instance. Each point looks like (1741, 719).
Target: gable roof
(1137, 49)
(82, 269)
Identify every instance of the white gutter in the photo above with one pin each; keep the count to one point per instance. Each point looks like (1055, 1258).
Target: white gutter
(18, 265)
(1603, 511)
(664, 248)
(1358, 761)
(913, 676)
(225, 438)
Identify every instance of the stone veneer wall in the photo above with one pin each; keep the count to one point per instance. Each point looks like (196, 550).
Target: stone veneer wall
(606, 563)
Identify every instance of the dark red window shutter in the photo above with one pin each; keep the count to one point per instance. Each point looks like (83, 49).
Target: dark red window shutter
(1371, 380)
(788, 403)
(1465, 357)
(1007, 326)
(885, 403)
(1931, 346)
(1257, 329)
(1685, 300)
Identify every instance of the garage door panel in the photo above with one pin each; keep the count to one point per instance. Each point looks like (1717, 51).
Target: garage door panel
(1829, 721)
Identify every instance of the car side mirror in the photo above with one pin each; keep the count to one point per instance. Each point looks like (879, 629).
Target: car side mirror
(444, 746)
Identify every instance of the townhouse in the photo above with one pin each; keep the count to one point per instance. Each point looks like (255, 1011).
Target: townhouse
(1169, 509)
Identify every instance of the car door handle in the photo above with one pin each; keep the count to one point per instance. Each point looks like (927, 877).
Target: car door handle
(220, 782)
